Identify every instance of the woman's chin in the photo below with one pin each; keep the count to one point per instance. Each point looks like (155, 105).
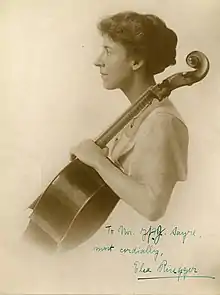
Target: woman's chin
(108, 86)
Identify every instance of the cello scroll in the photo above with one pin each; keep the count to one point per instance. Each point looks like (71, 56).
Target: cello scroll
(196, 60)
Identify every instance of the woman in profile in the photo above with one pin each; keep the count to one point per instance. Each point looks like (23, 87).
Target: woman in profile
(150, 153)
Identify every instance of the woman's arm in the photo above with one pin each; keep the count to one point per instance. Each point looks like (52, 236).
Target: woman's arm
(153, 172)
(138, 195)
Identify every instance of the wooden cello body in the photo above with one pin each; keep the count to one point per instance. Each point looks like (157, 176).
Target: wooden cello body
(72, 208)
(77, 201)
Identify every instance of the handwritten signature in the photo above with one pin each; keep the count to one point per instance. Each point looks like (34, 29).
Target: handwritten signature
(181, 272)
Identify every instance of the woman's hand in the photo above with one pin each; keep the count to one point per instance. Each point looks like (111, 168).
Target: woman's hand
(89, 153)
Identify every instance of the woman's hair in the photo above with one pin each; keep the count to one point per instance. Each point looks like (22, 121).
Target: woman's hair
(144, 36)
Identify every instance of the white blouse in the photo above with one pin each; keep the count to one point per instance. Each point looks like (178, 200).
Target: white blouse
(153, 148)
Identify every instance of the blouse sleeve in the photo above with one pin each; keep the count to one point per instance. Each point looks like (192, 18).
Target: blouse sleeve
(159, 158)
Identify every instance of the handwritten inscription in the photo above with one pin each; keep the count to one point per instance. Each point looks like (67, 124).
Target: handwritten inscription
(150, 250)
(154, 234)
(149, 247)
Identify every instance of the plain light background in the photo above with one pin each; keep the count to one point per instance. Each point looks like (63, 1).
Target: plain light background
(52, 97)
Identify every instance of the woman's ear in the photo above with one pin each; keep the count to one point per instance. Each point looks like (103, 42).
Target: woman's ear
(137, 64)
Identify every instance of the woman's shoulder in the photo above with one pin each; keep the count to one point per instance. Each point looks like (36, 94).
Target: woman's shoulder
(167, 109)
(164, 117)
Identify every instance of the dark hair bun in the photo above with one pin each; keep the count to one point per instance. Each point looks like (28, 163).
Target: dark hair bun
(161, 48)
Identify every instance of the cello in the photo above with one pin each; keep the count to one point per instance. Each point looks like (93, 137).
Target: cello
(77, 201)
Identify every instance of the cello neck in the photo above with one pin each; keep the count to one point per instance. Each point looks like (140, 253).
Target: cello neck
(144, 101)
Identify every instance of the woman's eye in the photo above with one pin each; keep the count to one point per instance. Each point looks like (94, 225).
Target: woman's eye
(108, 51)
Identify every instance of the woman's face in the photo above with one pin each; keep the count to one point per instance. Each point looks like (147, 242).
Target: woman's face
(115, 67)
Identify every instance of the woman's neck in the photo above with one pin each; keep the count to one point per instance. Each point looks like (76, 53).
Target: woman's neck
(137, 87)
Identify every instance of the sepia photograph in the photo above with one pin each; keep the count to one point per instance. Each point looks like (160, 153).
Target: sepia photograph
(110, 148)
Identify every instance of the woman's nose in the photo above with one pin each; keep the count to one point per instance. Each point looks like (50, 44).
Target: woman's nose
(99, 61)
